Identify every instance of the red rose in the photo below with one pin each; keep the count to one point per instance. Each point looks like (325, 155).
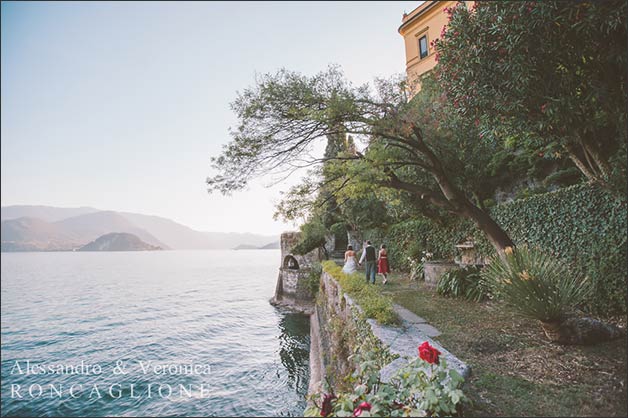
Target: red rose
(327, 407)
(364, 406)
(429, 353)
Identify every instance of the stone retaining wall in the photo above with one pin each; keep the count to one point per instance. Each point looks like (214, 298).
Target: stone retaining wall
(337, 318)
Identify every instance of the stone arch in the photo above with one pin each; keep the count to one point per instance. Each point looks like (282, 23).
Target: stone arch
(289, 262)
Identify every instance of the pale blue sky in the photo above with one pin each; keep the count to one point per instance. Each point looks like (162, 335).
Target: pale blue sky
(120, 105)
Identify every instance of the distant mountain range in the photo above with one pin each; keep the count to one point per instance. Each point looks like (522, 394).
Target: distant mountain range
(45, 228)
(271, 246)
(118, 241)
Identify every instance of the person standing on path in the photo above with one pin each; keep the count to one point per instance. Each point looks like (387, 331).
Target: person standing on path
(382, 264)
(350, 264)
(368, 255)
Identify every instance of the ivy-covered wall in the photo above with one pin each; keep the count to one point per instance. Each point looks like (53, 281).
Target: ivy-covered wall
(343, 332)
(581, 224)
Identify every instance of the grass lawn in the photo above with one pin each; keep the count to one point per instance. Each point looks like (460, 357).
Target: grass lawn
(516, 371)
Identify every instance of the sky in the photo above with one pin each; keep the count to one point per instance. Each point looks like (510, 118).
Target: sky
(120, 105)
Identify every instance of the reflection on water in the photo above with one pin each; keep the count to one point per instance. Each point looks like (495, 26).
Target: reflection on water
(198, 307)
(294, 349)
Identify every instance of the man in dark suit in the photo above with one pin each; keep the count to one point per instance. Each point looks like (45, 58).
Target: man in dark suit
(369, 256)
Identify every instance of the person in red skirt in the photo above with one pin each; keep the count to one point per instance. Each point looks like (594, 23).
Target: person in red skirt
(382, 263)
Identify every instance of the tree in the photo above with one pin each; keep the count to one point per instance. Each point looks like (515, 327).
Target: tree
(314, 201)
(547, 77)
(283, 114)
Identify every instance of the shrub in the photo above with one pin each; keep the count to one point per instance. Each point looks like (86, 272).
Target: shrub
(374, 304)
(420, 388)
(463, 283)
(314, 278)
(312, 237)
(536, 284)
(582, 225)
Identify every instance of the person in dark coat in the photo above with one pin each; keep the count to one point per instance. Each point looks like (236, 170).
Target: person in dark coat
(369, 257)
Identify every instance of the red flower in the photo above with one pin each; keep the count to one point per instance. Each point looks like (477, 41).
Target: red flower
(364, 406)
(543, 107)
(477, 122)
(327, 407)
(429, 353)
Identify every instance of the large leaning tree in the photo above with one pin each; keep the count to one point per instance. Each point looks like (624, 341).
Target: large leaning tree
(284, 114)
(546, 76)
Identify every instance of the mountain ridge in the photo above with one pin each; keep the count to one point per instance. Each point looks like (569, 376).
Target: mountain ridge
(51, 231)
(118, 241)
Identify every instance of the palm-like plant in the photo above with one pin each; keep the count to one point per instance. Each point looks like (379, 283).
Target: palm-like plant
(536, 284)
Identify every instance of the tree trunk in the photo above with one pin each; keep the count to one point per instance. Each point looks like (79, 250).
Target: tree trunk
(458, 202)
(601, 163)
(581, 331)
(495, 234)
(586, 169)
(464, 207)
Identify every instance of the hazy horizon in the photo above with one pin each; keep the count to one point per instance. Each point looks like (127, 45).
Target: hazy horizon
(119, 106)
(147, 214)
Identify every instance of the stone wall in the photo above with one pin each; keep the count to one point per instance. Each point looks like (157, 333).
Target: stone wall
(287, 242)
(338, 327)
(433, 270)
(292, 289)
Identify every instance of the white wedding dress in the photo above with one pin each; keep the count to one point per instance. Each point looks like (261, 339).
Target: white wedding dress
(350, 266)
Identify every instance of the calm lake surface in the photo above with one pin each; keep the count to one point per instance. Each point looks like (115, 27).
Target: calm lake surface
(203, 315)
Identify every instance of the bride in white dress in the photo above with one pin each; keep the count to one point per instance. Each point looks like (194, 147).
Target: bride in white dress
(350, 262)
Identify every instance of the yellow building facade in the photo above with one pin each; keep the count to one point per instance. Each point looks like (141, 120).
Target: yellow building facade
(419, 29)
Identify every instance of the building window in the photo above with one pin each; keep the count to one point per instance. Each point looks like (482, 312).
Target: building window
(423, 46)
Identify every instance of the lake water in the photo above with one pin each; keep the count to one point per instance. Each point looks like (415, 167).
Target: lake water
(192, 333)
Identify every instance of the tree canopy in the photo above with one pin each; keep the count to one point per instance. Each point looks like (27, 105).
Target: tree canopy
(283, 114)
(546, 77)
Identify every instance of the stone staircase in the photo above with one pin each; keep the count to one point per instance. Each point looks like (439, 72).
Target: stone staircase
(337, 255)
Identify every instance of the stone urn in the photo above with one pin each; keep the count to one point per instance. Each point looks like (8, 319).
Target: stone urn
(433, 270)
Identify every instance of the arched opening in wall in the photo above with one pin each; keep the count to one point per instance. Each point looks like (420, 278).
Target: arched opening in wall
(290, 263)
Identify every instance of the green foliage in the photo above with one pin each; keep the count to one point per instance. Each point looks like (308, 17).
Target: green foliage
(407, 153)
(536, 284)
(339, 228)
(312, 237)
(582, 225)
(563, 177)
(463, 283)
(416, 389)
(373, 303)
(409, 240)
(548, 79)
(314, 278)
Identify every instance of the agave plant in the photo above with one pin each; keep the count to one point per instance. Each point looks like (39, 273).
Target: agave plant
(463, 283)
(536, 284)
